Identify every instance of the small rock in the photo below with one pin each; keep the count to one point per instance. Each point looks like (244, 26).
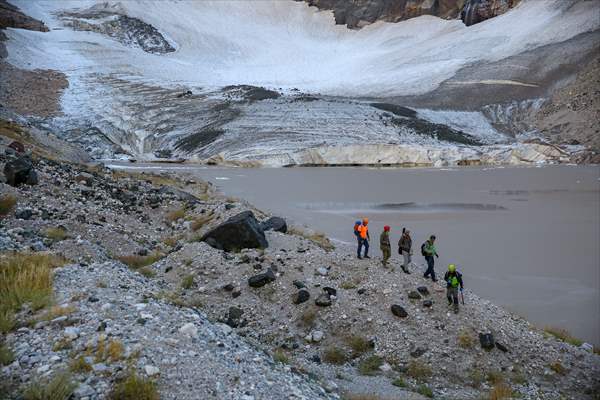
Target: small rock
(261, 279)
(486, 340)
(501, 347)
(423, 290)
(399, 311)
(322, 271)
(299, 284)
(414, 295)
(317, 336)
(24, 214)
(324, 300)
(71, 332)
(234, 316)
(301, 296)
(418, 352)
(151, 370)
(189, 329)
(427, 303)
(585, 346)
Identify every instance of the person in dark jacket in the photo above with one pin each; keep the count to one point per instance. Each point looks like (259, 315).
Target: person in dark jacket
(429, 251)
(384, 245)
(405, 248)
(454, 281)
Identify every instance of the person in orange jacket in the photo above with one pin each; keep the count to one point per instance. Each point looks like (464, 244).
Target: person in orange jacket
(363, 239)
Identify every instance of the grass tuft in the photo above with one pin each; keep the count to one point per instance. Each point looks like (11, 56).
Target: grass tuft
(25, 278)
(135, 261)
(335, 355)
(308, 317)
(370, 365)
(175, 215)
(147, 272)
(564, 335)
(280, 357)
(418, 370)
(358, 344)
(78, 365)
(557, 367)
(501, 391)
(187, 282)
(7, 204)
(56, 234)
(465, 339)
(425, 391)
(59, 387)
(6, 355)
(317, 238)
(134, 387)
(199, 222)
(399, 382)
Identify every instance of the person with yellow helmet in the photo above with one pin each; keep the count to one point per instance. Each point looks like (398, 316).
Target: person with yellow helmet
(363, 238)
(453, 280)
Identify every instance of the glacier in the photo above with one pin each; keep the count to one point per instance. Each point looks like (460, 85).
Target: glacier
(124, 100)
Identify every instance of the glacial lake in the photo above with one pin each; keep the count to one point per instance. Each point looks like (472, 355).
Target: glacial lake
(526, 238)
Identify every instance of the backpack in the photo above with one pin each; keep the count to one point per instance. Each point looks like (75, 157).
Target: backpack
(356, 233)
(423, 252)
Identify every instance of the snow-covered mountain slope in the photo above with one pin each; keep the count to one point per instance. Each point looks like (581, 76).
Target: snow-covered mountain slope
(127, 62)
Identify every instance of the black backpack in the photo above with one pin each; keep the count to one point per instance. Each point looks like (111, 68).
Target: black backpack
(423, 253)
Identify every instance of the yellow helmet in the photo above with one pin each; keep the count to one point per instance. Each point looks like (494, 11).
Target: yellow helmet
(452, 268)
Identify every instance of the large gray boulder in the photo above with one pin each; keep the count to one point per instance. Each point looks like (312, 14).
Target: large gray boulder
(277, 224)
(242, 231)
(19, 170)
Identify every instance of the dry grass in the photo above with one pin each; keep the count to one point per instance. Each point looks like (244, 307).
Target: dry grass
(501, 391)
(78, 365)
(317, 238)
(370, 365)
(7, 204)
(557, 367)
(495, 377)
(425, 391)
(175, 215)
(134, 387)
(358, 344)
(56, 234)
(25, 279)
(115, 350)
(200, 221)
(418, 370)
(62, 344)
(58, 311)
(399, 382)
(350, 284)
(6, 355)
(135, 261)
(308, 317)
(465, 339)
(564, 335)
(147, 272)
(171, 241)
(59, 387)
(335, 355)
(187, 282)
(280, 357)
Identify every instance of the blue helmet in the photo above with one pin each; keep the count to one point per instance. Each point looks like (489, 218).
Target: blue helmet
(357, 222)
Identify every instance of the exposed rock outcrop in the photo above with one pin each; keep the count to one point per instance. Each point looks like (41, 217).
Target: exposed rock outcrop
(241, 231)
(358, 13)
(12, 17)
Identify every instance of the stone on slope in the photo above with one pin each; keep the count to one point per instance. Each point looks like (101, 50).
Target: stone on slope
(19, 171)
(234, 316)
(301, 296)
(423, 290)
(242, 231)
(260, 280)
(399, 311)
(324, 300)
(414, 295)
(276, 224)
(487, 341)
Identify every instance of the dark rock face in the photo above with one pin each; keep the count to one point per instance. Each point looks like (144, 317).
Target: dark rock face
(19, 170)
(261, 280)
(399, 311)
(475, 11)
(277, 224)
(358, 13)
(126, 30)
(301, 296)
(12, 17)
(234, 316)
(487, 341)
(414, 295)
(423, 290)
(242, 231)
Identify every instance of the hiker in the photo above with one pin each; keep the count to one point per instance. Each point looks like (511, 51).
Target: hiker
(428, 251)
(384, 245)
(405, 248)
(453, 280)
(363, 240)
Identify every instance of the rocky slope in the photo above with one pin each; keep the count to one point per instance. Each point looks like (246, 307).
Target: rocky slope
(358, 13)
(198, 320)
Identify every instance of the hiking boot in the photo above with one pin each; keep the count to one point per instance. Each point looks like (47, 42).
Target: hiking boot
(359, 257)
(366, 256)
(449, 302)
(456, 309)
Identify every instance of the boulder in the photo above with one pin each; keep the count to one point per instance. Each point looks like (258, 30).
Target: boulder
(399, 311)
(19, 171)
(276, 224)
(242, 231)
(423, 290)
(261, 280)
(414, 295)
(487, 341)
(324, 300)
(301, 296)
(234, 316)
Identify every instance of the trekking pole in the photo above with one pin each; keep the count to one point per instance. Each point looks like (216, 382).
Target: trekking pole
(462, 297)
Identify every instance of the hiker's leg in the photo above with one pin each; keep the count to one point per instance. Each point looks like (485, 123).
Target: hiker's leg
(449, 295)
(366, 244)
(429, 271)
(433, 270)
(359, 247)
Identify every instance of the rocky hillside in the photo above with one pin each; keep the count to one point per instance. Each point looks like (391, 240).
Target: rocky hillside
(144, 296)
(358, 13)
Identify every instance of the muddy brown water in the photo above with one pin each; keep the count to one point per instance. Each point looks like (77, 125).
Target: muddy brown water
(525, 238)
